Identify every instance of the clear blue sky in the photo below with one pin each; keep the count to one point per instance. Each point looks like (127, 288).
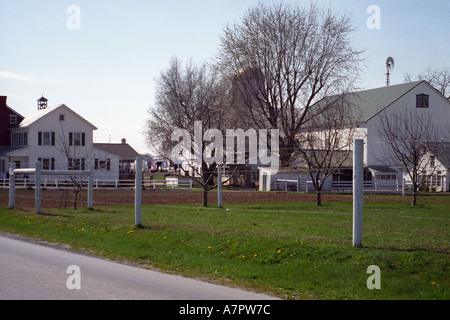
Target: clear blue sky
(106, 69)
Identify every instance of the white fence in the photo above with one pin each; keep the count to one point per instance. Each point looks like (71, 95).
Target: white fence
(61, 183)
(345, 186)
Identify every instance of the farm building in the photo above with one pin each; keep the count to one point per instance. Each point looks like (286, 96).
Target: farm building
(61, 139)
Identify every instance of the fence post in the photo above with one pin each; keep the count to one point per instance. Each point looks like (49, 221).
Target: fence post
(91, 188)
(403, 186)
(138, 191)
(358, 185)
(37, 187)
(219, 186)
(12, 185)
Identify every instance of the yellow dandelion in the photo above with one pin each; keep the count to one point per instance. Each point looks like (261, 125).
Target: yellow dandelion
(255, 255)
(279, 251)
(243, 256)
(433, 283)
(209, 247)
(165, 238)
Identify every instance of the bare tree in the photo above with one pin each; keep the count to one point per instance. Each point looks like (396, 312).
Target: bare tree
(409, 138)
(185, 97)
(77, 159)
(282, 60)
(437, 78)
(324, 144)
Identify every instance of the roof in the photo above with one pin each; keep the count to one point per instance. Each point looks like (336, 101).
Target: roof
(441, 151)
(5, 151)
(336, 158)
(381, 169)
(368, 103)
(123, 150)
(43, 112)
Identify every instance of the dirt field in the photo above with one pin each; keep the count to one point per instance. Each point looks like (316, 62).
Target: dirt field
(54, 198)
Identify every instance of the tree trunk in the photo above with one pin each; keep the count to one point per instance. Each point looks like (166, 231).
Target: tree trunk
(205, 195)
(318, 198)
(75, 199)
(414, 198)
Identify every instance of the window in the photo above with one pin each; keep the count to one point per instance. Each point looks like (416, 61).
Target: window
(2, 166)
(422, 101)
(102, 164)
(12, 119)
(17, 164)
(47, 163)
(385, 176)
(46, 138)
(77, 138)
(61, 117)
(76, 164)
(19, 139)
(432, 161)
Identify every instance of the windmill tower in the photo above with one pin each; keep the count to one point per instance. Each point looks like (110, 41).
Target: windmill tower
(389, 66)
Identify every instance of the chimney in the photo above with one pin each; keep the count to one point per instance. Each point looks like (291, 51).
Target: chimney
(3, 101)
(124, 141)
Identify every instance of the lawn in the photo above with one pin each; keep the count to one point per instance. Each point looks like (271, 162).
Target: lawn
(292, 250)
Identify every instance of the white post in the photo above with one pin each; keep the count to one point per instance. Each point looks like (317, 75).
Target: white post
(37, 179)
(403, 185)
(91, 188)
(138, 191)
(12, 186)
(358, 184)
(219, 186)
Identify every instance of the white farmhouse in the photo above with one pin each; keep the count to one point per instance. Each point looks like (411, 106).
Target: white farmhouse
(61, 139)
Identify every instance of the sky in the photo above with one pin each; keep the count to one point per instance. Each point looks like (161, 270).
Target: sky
(101, 58)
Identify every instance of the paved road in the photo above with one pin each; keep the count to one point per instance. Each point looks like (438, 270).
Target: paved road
(32, 271)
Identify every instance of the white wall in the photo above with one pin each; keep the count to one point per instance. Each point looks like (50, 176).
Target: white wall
(438, 111)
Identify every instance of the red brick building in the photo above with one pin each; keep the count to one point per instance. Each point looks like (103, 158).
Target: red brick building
(8, 119)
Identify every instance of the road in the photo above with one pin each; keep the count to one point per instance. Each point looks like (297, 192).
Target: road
(32, 271)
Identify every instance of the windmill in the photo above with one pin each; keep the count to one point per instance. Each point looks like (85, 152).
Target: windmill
(389, 66)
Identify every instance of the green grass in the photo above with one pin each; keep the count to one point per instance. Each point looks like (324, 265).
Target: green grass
(292, 250)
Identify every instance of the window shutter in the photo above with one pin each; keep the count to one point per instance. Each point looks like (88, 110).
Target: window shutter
(83, 161)
(52, 164)
(53, 138)
(83, 139)
(39, 138)
(96, 164)
(70, 138)
(108, 164)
